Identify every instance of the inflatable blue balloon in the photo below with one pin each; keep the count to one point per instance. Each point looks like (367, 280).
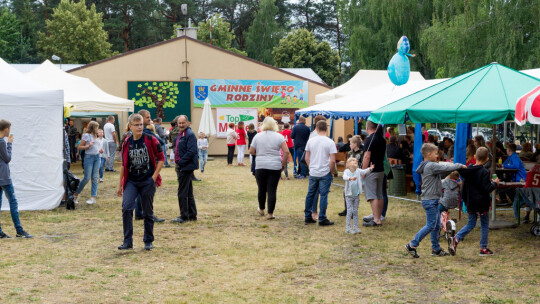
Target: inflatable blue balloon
(399, 67)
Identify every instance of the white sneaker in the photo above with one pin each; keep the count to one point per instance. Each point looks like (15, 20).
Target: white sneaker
(368, 218)
(349, 231)
(383, 218)
(91, 201)
(76, 199)
(357, 231)
(101, 180)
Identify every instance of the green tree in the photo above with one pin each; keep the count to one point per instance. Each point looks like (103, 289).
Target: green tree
(157, 95)
(375, 26)
(220, 36)
(300, 50)
(469, 34)
(76, 34)
(9, 35)
(264, 34)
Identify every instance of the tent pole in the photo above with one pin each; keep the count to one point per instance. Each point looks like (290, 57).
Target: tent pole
(356, 126)
(331, 135)
(505, 130)
(493, 161)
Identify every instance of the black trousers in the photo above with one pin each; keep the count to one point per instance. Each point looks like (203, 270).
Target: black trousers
(267, 181)
(230, 154)
(186, 201)
(72, 149)
(146, 190)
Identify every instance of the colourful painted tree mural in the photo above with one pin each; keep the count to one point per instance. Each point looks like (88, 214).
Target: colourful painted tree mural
(157, 94)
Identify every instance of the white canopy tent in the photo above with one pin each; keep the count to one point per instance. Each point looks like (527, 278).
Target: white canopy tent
(532, 72)
(81, 92)
(359, 105)
(35, 113)
(363, 80)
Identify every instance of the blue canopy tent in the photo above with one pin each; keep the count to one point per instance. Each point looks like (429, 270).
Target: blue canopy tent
(358, 106)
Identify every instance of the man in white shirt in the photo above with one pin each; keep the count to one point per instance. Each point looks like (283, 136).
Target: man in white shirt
(112, 140)
(321, 159)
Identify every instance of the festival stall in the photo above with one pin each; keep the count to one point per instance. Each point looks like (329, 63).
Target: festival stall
(361, 81)
(81, 92)
(485, 95)
(35, 113)
(359, 105)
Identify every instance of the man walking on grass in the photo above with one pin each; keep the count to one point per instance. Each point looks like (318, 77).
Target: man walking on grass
(375, 150)
(321, 159)
(111, 139)
(142, 160)
(187, 161)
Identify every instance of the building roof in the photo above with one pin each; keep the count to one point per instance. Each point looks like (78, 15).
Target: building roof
(205, 44)
(305, 73)
(27, 67)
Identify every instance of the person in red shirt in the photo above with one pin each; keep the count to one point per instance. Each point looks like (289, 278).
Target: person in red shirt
(287, 134)
(240, 143)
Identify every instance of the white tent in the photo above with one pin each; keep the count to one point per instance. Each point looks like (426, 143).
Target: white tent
(361, 104)
(79, 91)
(532, 72)
(363, 80)
(35, 113)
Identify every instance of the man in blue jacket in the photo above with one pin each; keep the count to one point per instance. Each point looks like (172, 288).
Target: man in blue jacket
(187, 161)
(300, 134)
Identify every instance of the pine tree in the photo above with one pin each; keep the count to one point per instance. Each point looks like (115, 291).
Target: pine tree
(264, 34)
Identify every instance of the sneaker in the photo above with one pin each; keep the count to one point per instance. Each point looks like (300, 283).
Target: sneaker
(23, 234)
(261, 212)
(368, 218)
(75, 199)
(326, 222)
(271, 216)
(309, 220)
(125, 246)
(439, 252)
(486, 252)
(343, 213)
(101, 180)
(148, 246)
(383, 218)
(179, 220)
(357, 231)
(526, 220)
(158, 219)
(4, 236)
(453, 247)
(91, 201)
(349, 231)
(411, 250)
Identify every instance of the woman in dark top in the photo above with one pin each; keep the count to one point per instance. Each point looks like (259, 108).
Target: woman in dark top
(392, 149)
(406, 156)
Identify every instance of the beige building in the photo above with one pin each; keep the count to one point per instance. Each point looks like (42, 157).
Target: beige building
(186, 59)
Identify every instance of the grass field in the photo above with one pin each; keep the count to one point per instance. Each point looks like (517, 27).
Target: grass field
(231, 255)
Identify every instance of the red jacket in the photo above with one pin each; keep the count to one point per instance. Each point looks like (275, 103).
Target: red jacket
(241, 139)
(287, 134)
(151, 143)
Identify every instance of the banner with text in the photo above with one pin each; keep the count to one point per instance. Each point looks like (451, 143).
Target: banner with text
(251, 93)
(234, 115)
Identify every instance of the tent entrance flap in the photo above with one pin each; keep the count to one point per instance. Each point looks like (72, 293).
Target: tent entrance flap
(98, 115)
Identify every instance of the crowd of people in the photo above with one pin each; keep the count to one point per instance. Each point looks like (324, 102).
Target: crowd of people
(143, 152)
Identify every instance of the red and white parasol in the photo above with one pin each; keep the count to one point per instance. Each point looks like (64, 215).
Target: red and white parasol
(528, 108)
